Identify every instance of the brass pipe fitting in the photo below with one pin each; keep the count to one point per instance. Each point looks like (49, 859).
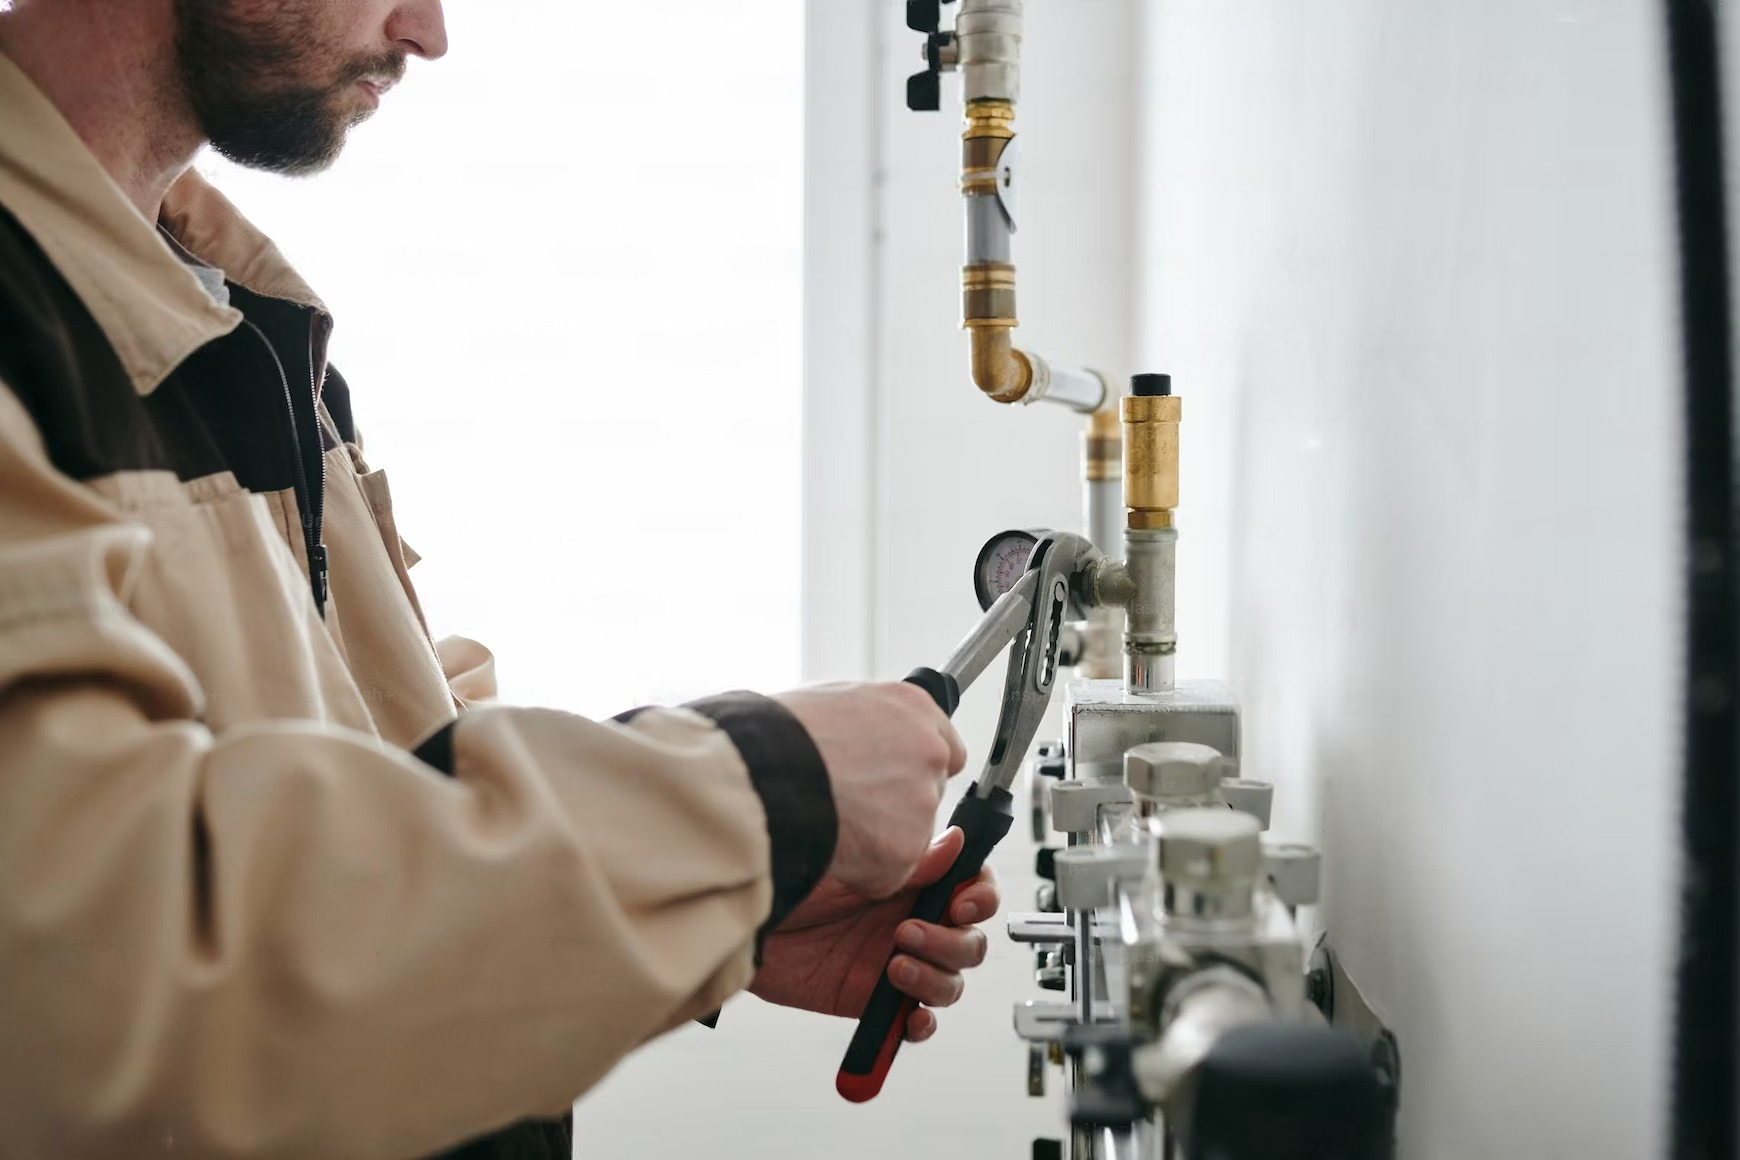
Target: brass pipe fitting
(990, 121)
(1102, 447)
(988, 281)
(1150, 414)
(988, 295)
(999, 370)
(1150, 456)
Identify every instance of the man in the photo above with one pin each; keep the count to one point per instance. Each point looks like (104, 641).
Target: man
(269, 885)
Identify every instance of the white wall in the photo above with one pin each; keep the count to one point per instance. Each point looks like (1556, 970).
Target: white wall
(1412, 267)
(565, 264)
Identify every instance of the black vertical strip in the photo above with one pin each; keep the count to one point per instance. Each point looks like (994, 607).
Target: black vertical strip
(1707, 1016)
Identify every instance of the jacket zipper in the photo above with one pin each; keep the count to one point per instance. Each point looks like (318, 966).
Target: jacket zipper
(310, 487)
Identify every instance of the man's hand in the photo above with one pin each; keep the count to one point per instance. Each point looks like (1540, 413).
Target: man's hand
(829, 953)
(888, 750)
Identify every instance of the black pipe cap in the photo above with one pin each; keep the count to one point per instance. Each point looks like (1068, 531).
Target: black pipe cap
(1150, 386)
(1283, 1091)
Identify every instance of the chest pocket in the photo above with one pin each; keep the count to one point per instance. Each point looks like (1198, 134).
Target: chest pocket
(221, 585)
(372, 610)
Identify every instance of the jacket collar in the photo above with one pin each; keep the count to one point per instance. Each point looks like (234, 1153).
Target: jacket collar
(148, 303)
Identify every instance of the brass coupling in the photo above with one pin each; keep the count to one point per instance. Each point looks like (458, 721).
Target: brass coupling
(988, 313)
(990, 127)
(988, 294)
(1150, 420)
(1102, 447)
(987, 119)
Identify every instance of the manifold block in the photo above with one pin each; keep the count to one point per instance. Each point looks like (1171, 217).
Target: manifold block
(1104, 722)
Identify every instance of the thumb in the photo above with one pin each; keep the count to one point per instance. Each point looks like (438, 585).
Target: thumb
(944, 849)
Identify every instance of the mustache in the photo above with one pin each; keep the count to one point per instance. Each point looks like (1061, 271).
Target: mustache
(388, 66)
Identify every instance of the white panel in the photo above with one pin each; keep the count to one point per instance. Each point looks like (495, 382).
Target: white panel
(844, 110)
(1413, 266)
(568, 300)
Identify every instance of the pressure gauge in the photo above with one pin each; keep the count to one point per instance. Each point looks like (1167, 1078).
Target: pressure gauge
(1000, 564)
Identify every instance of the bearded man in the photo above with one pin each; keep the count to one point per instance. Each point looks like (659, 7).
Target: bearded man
(274, 882)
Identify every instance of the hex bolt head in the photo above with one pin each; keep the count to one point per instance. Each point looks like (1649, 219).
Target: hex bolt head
(1209, 848)
(1171, 770)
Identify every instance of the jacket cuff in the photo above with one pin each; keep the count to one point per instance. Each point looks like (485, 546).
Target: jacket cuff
(789, 776)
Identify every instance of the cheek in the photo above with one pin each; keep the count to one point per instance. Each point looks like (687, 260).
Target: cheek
(321, 36)
(349, 28)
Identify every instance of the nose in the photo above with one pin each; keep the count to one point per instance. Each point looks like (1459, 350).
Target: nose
(418, 27)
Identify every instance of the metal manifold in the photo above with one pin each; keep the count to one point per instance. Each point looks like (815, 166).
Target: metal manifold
(1194, 1027)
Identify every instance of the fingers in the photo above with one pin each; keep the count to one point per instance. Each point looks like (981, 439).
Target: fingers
(977, 902)
(944, 849)
(957, 748)
(930, 985)
(943, 946)
(920, 1025)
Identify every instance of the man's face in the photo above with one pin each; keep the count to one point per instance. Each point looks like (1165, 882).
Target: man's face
(276, 84)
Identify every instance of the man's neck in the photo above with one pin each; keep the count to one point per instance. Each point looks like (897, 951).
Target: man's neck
(109, 68)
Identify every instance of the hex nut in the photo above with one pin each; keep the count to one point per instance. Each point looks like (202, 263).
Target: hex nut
(1209, 847)
(1170, 770)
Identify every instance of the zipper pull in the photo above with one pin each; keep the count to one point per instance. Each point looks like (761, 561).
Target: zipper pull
(317, 575)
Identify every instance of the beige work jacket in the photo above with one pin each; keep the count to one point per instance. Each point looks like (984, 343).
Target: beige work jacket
(268, 886)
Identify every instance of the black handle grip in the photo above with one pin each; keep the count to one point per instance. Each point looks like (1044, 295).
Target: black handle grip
(881, 1028)
(942, 687)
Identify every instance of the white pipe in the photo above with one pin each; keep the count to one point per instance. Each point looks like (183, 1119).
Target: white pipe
(1085, 390)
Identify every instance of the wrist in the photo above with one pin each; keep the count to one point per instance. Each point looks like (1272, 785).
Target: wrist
(791, 779)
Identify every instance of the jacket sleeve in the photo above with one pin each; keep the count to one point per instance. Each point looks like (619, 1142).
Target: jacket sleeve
(292, 940)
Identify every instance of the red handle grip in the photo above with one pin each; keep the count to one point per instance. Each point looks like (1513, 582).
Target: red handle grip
(871, 1053)
(859, 1086)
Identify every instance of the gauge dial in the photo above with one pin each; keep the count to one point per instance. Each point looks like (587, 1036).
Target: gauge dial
(1000, 564)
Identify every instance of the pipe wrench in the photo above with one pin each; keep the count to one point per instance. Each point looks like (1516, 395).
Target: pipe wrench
(1029, 619)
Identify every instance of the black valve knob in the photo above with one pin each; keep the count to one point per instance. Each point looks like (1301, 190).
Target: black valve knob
(924, 15)
(924, 89)
(1286, 1091)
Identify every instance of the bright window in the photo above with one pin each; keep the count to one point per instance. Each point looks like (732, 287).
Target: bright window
(565, 264)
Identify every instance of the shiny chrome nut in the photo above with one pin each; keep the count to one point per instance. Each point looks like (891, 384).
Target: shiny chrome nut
(1209, 861)
(1174, 772)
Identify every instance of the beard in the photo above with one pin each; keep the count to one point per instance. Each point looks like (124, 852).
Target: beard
(252, 83)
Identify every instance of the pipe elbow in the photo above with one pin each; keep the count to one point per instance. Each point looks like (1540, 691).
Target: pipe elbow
(999, 370)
